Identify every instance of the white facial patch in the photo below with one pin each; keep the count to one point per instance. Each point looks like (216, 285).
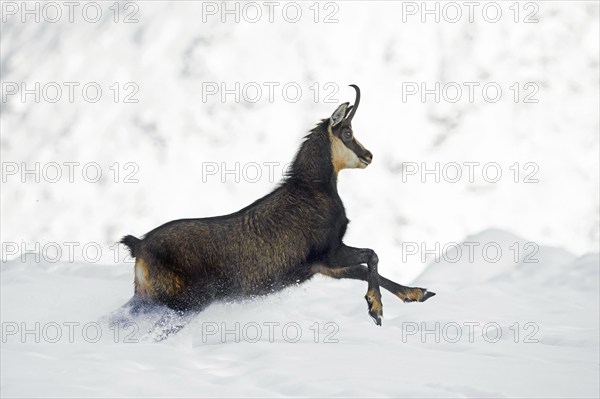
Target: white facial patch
(341, 156)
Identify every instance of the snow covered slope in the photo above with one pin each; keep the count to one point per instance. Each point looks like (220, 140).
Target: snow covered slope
(503, 329)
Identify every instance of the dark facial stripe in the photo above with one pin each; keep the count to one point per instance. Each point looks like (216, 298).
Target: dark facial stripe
(357, 148)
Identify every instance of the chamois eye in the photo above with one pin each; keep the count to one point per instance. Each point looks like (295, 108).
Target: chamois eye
(347, 134)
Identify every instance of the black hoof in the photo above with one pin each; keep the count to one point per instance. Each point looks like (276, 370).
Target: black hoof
(376, 318)
(428, 294)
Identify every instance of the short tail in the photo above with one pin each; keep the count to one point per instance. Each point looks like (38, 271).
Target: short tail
(133, 243)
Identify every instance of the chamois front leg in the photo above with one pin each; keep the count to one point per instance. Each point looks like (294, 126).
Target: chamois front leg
(346, 256)
(360, 272)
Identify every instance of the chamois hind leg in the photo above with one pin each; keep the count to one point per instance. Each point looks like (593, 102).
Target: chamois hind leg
(345, 256)
(360, 272)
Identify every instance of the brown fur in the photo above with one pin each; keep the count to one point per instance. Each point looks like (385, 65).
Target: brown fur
(151, 285)
(411, 294)
(374, 301)
(143, 285)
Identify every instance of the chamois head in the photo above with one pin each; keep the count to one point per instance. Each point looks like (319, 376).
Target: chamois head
(346, 151)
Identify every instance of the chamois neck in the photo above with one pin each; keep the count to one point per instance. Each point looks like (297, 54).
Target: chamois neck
(312, 164)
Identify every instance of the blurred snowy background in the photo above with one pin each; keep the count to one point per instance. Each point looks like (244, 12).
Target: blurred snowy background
(171, 55)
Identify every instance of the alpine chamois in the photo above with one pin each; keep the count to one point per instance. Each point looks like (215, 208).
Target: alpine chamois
(282, 239)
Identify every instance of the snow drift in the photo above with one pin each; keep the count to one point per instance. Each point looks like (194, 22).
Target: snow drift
(507, 328)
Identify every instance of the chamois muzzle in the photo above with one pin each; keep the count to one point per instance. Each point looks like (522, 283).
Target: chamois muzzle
(366, 158)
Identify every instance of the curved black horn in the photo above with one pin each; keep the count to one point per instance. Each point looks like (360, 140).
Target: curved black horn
(356, 102)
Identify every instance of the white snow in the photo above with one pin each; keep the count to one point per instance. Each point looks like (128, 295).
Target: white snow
(173, 135)
(547, 345)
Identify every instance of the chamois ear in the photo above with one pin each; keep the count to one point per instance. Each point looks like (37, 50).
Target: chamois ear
(348, 110)
(338, 115)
